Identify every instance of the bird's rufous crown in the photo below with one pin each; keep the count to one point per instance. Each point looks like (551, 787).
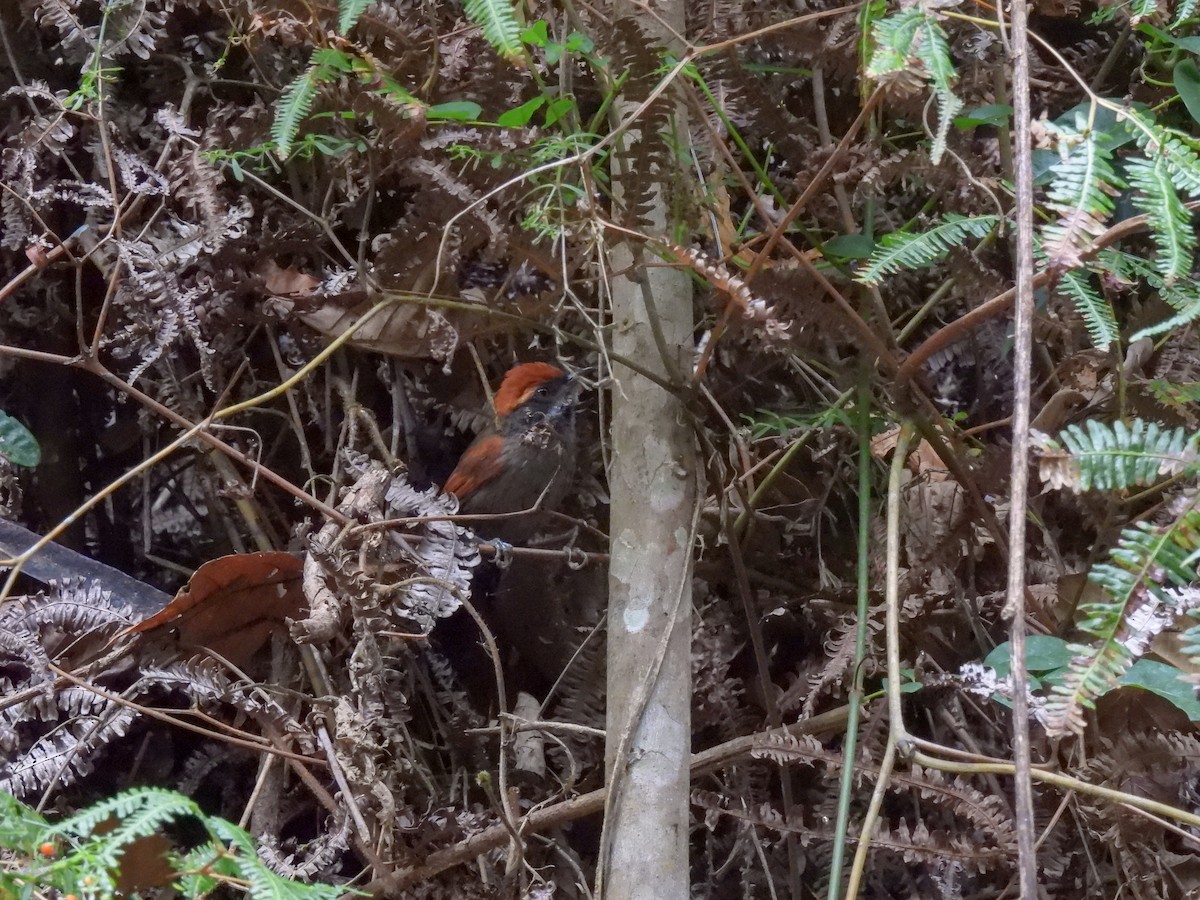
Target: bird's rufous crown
(520, 382)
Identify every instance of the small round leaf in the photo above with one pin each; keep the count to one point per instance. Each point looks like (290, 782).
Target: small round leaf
(17, 443)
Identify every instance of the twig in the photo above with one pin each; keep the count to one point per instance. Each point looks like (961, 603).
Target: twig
(587, 804)
(1014, 606)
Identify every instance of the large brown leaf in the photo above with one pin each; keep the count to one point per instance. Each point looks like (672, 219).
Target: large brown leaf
(233, 604)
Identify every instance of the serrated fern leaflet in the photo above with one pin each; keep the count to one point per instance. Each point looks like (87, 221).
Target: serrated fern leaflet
(1096, 311)
(497, 19)
(1170, 222)
(907, 250)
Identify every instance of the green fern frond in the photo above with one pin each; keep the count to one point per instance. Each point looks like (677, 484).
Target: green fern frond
(1148, 567)
(1174, 396)
(1081, 193)
(1098, 456)
(903, 250)
(1097, 313)
(914, 34)
(139, 812)
(1177, 149)
(934, 52)
(89, 864)
(1170, 221)
(348, 13)
(1140, 10)
(137, 809)
(497, 19)
(295, 103)
(894, 38)
(262, 883)
(1183, 12)
(1184, 296)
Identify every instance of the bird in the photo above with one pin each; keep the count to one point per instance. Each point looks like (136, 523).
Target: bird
(528, 459)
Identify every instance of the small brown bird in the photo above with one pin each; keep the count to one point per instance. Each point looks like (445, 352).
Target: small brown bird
(530, 456)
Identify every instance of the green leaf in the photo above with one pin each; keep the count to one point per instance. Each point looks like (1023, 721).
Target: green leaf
(1166, 681)
(1190, 44)
(558, 108)
(298, 97)
(17, 443)
(1043, 653)
(580, 43)
(1187, 82)
(1170, 221)
(1103, 122)
(519, 116)
(537, 34)
(850, 246)
(456, 110)
(1081, 192)
(1097, 312)
(993, 114)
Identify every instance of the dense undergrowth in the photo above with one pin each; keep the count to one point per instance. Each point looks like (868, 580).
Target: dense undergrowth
(317, 229)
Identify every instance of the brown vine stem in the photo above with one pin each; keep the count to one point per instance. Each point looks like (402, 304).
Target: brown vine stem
(588, 804)
(921, 752)
(998, 305)
(1059, 780)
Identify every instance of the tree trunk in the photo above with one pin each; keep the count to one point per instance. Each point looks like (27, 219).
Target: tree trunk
(644, 852)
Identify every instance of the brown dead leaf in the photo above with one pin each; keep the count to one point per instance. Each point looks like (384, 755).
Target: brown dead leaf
(233, 604)
(286, 282)
(921, 461)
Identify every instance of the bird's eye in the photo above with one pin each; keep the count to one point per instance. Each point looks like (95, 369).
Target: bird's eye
(543, 391)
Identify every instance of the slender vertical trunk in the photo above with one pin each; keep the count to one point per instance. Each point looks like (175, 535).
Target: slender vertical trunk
(653, 489)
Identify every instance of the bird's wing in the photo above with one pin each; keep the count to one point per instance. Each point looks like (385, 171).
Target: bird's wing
(479, 465)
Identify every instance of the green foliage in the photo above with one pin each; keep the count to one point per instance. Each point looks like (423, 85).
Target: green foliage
(1175, 396)
(1147, 576)
(294, 105)
(348, 13)
(1048, 660)
(1183, 296)
(78, 856)
(1184, 11)
(1114, 457)
(325, 66)
(1170, 222)
(1081, 193)
(914, 35)
(772, 423)
(1097, 313)
(1142, 581)
(17, 443)
(905, 250)
(497, 19)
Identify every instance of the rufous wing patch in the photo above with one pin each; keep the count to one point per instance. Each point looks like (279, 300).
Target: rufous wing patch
(479, 465)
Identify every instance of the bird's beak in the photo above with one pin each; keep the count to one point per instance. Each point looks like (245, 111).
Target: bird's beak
(567, 398)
